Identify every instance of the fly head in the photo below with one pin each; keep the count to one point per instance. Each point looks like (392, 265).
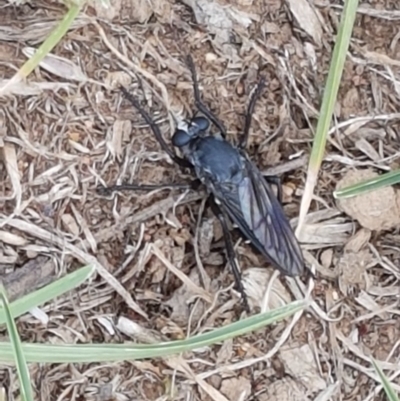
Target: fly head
(196, 127)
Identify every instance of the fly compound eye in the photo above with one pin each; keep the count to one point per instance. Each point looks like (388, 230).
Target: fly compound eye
(180, 138)
(201, 123)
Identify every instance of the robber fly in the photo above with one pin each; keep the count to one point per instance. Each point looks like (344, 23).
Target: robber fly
(235, 185)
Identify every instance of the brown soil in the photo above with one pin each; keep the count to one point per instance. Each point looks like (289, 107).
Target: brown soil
(59, 142)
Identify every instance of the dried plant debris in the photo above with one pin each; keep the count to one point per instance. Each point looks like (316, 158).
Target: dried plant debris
(33, 274)
(286, 389)
(325, 228)
(10, 160)
(139, 11)
(161, 258)
(137, 332)
(206, 235)
(35, 30)
(58, 66)
(307, 18)
(34, 88)
(352, 269)
(262, 286)
(173, 253)
(353, 264)
(185, 304)
(236, 389)
(300, 362)
(376, 210)
(221, 21)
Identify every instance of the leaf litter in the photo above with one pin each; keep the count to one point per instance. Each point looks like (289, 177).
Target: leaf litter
(65, 134)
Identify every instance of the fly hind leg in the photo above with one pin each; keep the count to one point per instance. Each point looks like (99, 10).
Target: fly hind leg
(275, 180)
(230, 251)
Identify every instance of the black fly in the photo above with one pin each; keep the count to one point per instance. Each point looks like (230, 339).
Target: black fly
(236, 186)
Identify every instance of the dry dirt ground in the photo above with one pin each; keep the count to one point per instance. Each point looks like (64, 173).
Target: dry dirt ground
(68, 129)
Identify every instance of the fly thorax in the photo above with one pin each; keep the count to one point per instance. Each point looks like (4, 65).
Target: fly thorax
(186, 152)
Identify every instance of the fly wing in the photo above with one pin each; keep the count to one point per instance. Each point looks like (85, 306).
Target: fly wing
(252, 205)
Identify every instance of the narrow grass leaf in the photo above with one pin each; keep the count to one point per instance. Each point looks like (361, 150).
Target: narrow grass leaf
(328, 104)
(384, 180)
(79, 353)
(47, 293)
(18, 354)
(385, 383)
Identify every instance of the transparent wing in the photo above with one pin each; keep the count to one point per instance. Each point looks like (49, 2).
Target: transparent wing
(252, 205)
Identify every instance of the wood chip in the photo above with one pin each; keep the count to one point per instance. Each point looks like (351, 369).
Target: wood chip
(376, 210)
(307, 19)
(236, 388)
(12, 239)
(300, 362)
(28, 278)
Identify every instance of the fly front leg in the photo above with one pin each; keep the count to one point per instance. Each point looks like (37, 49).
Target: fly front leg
(230, 251)
(249, 113)
(275, 180)
(156, 131)
(195, 184)
(197, 98)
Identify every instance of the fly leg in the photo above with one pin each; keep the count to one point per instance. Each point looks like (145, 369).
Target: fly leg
(230, 251)
(132, 187)
(249, 113)
(199, 103)
(275, 180)
(156, 131)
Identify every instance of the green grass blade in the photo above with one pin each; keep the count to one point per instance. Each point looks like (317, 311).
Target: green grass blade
(328, 104)
(18, 354)
(384, 180)
(79, 353)
(47, 293)
(385, 383)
